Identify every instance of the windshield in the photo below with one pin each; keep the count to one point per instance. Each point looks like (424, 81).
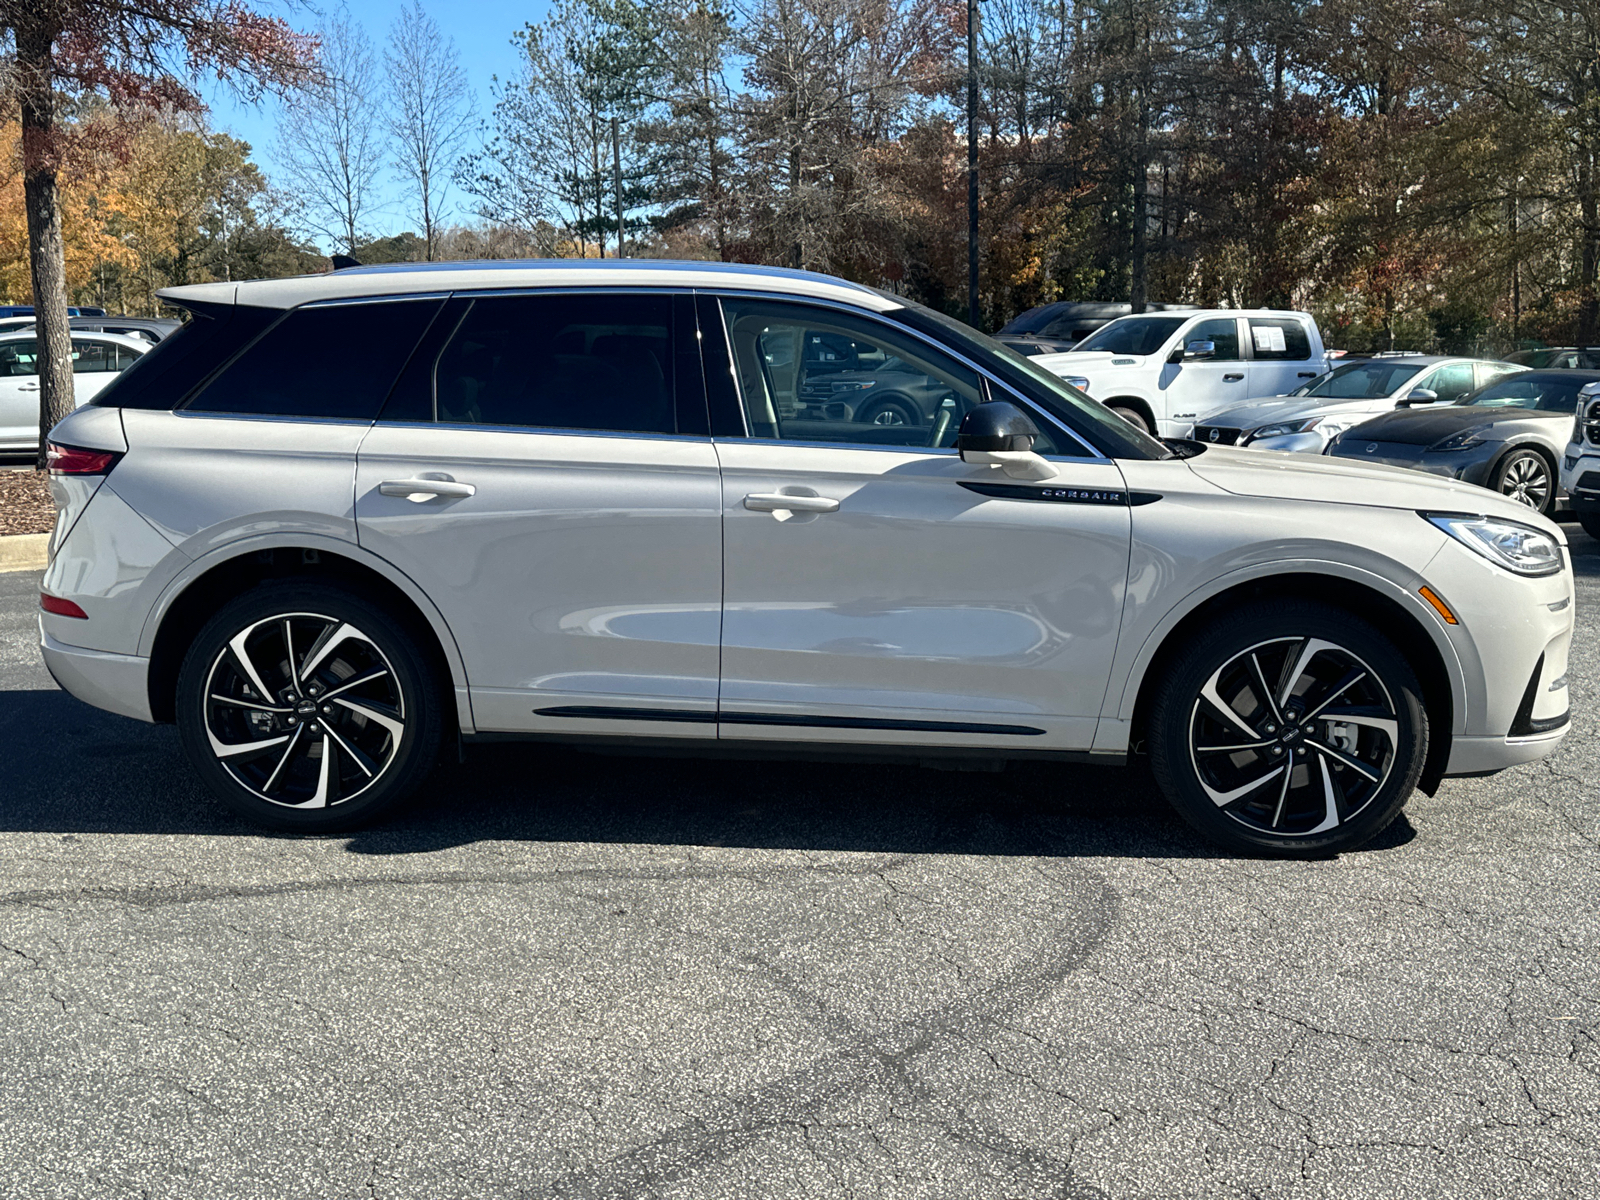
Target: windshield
(1089, 418)
(1542, 395)
(1132, 335)
(1362, 381)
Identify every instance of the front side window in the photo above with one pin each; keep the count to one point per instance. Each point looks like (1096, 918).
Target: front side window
(1280, 338)
(1136, 335)
(1222, 333)
(600, 363)
(323, 360)
(817, 375)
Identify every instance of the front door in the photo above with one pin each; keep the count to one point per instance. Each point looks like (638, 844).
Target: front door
(878, 589)
(19, 394)
(544, 473)
(1197, 387)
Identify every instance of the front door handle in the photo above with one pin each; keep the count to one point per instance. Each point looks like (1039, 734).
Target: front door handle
(1307, 374)
(1231, 378)
(777, 501)
(27, 387)
(420, 490)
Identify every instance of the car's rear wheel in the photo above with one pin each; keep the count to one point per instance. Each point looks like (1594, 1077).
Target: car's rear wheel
(1292, 728)
(308, 707)
(1528, 478)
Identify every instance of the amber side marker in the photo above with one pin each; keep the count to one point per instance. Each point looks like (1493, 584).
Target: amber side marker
(1439, 605)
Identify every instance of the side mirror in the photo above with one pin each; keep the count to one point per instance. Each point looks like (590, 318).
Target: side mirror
(999, 434)
(1418, 396)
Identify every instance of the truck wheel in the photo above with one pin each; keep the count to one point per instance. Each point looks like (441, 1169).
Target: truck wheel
(1132, 416)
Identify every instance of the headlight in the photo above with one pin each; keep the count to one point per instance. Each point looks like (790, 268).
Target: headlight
(1464, 440)
(1518, 548)
(859, 385)
(1285, 428)
(1079, 382)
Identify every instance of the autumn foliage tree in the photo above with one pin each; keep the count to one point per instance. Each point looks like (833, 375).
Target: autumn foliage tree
(133, 56)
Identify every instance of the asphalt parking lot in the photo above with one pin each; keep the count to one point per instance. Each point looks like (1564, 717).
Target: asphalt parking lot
(572, 976)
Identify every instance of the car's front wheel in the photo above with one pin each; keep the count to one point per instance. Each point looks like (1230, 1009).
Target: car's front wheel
(1292, 728)
(1528, 478)
(308, 707)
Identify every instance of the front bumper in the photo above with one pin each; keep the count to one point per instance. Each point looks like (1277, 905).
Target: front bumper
(118, 683)
(1486, 755)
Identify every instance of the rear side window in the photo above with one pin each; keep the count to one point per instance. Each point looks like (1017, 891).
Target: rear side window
(1279, 338)
(89, 357)
(602, 362)
(333, 361)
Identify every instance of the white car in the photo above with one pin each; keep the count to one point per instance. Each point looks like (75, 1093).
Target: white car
(1307, 419)
(97, 359)
(338, 522)
(1163, 372)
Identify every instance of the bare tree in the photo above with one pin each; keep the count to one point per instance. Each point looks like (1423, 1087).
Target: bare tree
(330, 141)
(132, 53)
(430, 109)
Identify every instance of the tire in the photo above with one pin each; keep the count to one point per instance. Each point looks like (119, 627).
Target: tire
(1349, 779)
(1132, 416)
(1527, 477)
(1590, 520)
(372, 742)
(890, 410)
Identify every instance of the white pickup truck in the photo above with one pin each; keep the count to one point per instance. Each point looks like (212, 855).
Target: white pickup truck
(1165, 371)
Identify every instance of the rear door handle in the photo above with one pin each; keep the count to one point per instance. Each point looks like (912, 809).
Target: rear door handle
(777, 501)
(420, 490)
(1232, 378)
(27, 387)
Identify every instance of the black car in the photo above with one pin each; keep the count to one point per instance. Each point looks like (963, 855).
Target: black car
(1056, 328)
(1507, 436)
(1558, 358)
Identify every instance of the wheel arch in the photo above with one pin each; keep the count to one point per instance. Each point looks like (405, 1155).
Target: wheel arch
(188, 600)
(1529, 441)
(1414, 634)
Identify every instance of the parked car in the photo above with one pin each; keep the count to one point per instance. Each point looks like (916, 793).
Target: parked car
(1056, 328)
(1162, 373)
(1580, 463)
(1309, 417)
(97, 359)
(1580, 358)
(1508, 436)
(836, 378)
(576, 502)
(147, 329)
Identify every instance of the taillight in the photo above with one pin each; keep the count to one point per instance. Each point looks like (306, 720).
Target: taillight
(61, 608)
(73, 460)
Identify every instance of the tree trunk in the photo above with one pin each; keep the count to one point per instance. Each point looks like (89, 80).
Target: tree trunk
(46, 254)
(1139, 274)
(1588, 247)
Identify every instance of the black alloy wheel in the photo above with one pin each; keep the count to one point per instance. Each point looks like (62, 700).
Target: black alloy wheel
(307, 707)
(1293, 728)
(1527, 477)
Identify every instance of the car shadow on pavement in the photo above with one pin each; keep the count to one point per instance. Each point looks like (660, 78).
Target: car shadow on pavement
(75, 769)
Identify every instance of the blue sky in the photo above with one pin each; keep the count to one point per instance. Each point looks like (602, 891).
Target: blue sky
(482, 31)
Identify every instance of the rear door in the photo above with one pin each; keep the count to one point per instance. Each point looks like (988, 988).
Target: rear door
(544, 472)
(1280, 355)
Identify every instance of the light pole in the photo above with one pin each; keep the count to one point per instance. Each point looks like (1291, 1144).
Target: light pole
(972, 163)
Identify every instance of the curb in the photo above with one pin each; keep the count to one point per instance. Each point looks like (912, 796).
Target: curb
(24, 552)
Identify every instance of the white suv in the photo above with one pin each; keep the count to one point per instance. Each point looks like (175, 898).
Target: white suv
(339, 521)
(1163, 372)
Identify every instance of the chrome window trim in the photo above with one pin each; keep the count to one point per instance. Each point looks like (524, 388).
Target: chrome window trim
(347, 301)
(888, 317)
(193, 415)
(545, 431)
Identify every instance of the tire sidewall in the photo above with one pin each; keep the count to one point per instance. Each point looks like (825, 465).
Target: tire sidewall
(1132, 415)
(1220, 642)
(419, 686)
